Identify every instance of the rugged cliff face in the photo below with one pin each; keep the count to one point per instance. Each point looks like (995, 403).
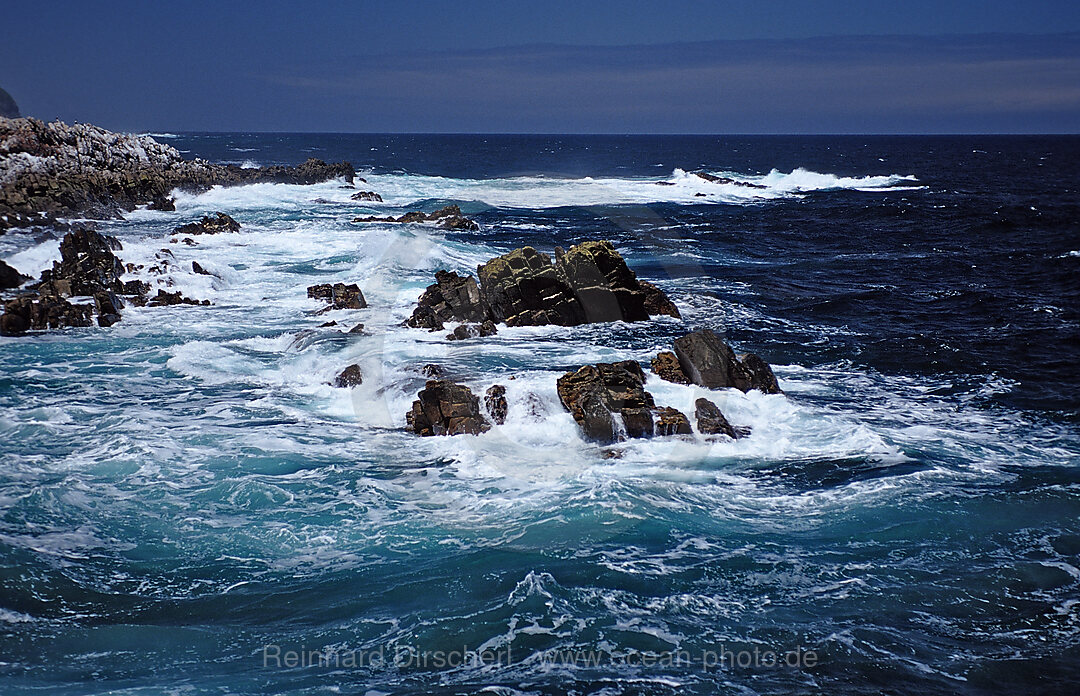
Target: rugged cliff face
(8, 107)
(50, 170)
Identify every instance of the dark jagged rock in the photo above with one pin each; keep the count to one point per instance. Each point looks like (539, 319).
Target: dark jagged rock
(28, 313)
(10, 278)
(445, 408)
(340, 295)
(707, 360)
(108, 306)
(166, 299)
(449, 218)
(197, 268)
(712, 178)
(711, 421)
(432, 371)
(162, 203)
(366, 196)
(656, 302)
(87, 264)
(670, 421)
(589, 283)
(349, 377)
(595, 394)
(666, 366)
(761, 375)
(215, 224)
(451, 298)
(358, 329)
(51, 170)
(8, 107)
(495, 403)
(464, 331)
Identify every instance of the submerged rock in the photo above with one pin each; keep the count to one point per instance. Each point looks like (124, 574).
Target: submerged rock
(339, 295)
(366, 196)
(349, 377)
(215, 224)
(168, 299)
(464, 331)
(711, 421)
(707, 360)
(445, 408)
(589, 283)
(449, 218)
(712, 178)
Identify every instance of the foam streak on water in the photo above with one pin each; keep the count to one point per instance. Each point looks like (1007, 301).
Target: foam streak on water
(185, 487)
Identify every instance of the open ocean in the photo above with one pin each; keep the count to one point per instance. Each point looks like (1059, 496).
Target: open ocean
(184, 500)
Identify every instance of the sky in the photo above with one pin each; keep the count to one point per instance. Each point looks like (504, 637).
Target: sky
(548, 67)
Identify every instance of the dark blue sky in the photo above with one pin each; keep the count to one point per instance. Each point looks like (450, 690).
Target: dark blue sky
(628, 66)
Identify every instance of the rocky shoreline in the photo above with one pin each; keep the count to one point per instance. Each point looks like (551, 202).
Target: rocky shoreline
(56, 170)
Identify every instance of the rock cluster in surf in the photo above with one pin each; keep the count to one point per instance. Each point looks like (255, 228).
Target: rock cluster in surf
(589, 283)
(448, 218)
(55, 169)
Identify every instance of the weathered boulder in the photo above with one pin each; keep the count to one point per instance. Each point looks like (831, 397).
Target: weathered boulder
(449, 218)
(495, 403)
(451, 298)
(215, 224)
(349, 377)
(670, 421)
(712, 178)
(464, 331)
(711, 421)
(339, 295)
(445, 408)
(656, 302)
(366, 196)
(666, 366)
(596, 394)
(761, 375)
(10, 278)
(108, 306)
(707, 360)
(8, 107)
(589, 283)
(196, 267)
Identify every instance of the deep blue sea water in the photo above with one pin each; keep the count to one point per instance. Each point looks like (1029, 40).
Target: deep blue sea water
(184, 499)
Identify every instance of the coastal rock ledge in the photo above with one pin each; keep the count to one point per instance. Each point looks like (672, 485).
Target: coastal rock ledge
(50, 170)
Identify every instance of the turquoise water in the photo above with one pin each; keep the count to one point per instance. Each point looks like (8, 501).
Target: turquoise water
(185, 500)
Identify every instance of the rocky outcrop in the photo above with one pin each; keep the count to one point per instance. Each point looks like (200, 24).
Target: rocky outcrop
(210, 224)
(87, 265)
(339, 295)
(168, 299)
(707, 360)
(712, 178)
(50, 170)
(666, 366)
(656, 302)
(495, 403)
(711, 421)
(451, 298)
(366, 196)
(464, 331)
(8, 107)
(609, 402)
(448, 218)
(589, 283)
(351, 376)
(445, 408)
(10, 278)
(29, 313)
